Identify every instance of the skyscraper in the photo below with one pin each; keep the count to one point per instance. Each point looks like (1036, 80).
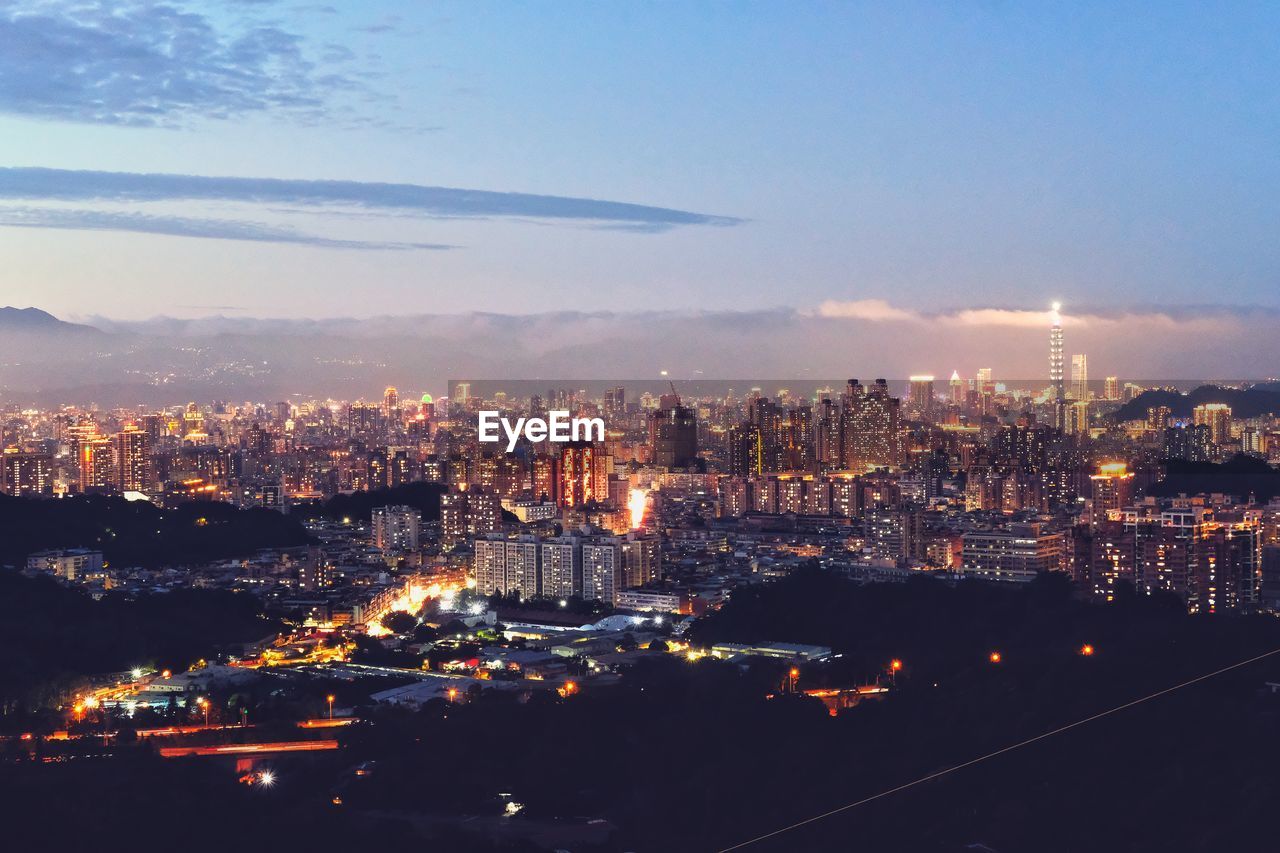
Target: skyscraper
(957, 389)
(673, 435)
(577, 470)
(921, 394)
(132, 452)
(870, 427)
(1080, 377)
(1217, 417)
(1055, 354)
(96, 467)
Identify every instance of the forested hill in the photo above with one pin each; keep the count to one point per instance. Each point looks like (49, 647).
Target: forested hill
(1249, 402)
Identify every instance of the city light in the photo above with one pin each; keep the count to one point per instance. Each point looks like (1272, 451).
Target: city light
(995, 657)
(1086, 650)
(637, 502)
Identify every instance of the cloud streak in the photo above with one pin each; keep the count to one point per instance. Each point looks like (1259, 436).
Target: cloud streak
(879, 310)
(181, 226)
(155, 64)
(427, 201)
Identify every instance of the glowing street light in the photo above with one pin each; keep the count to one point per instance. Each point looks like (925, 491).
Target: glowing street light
(894, 666)
(794, 674)
(1086, 650)
(204, 703)
(453, 694)
(330, 698)
(267, 779)
(995, 657)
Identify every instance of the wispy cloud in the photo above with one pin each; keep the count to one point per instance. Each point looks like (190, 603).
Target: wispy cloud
(880, 310)
(428, 201)
(152, 63)
(864, 309)
(181, 226)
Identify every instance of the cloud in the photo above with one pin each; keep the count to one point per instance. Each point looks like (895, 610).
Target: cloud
(1139, 344)
(153, 64)
(882, 311)
(130, 187)
(864, 309)
(180, 226)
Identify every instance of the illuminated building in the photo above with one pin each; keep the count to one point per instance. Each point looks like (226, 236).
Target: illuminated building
(602, 569)
(746, 450)
(97, 467)
(1158, 417)
(27, 474)
(1187, 443)
(1217, 417)
(673, 436)
(192, 421)
(870, 427)
(391, 403)
(472, 512)
(68, 565)
(132, 458)
(507, 565)
(1111, 388)
(920, 394)
(577, 474)
(1080, 377)
(642, 559)
(395, 528)
(1059, 392)
(1077, 418)
(561, 567)
(1017, 553)
(1112, 489)
(958, 389)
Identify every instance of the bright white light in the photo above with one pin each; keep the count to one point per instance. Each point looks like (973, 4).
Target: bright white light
(267, 779)
(657, 620)
(1057, 306)
(136, 673)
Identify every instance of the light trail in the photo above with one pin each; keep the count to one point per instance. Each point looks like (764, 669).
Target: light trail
(1000, 751)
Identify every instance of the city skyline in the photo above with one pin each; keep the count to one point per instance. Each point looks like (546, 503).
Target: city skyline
(263, 160)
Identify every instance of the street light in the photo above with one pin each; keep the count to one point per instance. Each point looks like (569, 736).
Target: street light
(453, 694)
(1086, 650)
(995, 657)
(330, 698)
(204, 703)
(894, 666)
(794, 674)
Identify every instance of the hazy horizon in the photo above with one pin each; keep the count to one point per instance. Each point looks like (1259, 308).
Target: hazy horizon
(270, 160)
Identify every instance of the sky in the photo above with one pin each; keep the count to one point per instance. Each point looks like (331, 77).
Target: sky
(883, 162)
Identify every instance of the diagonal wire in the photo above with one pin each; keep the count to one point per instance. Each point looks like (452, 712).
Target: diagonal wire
(1001, 751)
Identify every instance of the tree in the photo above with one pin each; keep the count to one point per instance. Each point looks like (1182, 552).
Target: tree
(399, 622)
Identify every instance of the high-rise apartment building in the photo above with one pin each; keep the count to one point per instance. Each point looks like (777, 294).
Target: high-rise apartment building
(870, 423)
(131, 454)
(395, 528)
(1217, 417)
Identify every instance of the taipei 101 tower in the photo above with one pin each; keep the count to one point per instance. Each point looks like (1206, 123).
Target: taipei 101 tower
(1055, 354)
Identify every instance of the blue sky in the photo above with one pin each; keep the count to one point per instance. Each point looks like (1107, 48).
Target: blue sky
(936, 157)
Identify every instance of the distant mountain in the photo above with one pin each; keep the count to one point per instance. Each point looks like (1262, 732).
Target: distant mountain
(34, 320)
(1252, 402)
